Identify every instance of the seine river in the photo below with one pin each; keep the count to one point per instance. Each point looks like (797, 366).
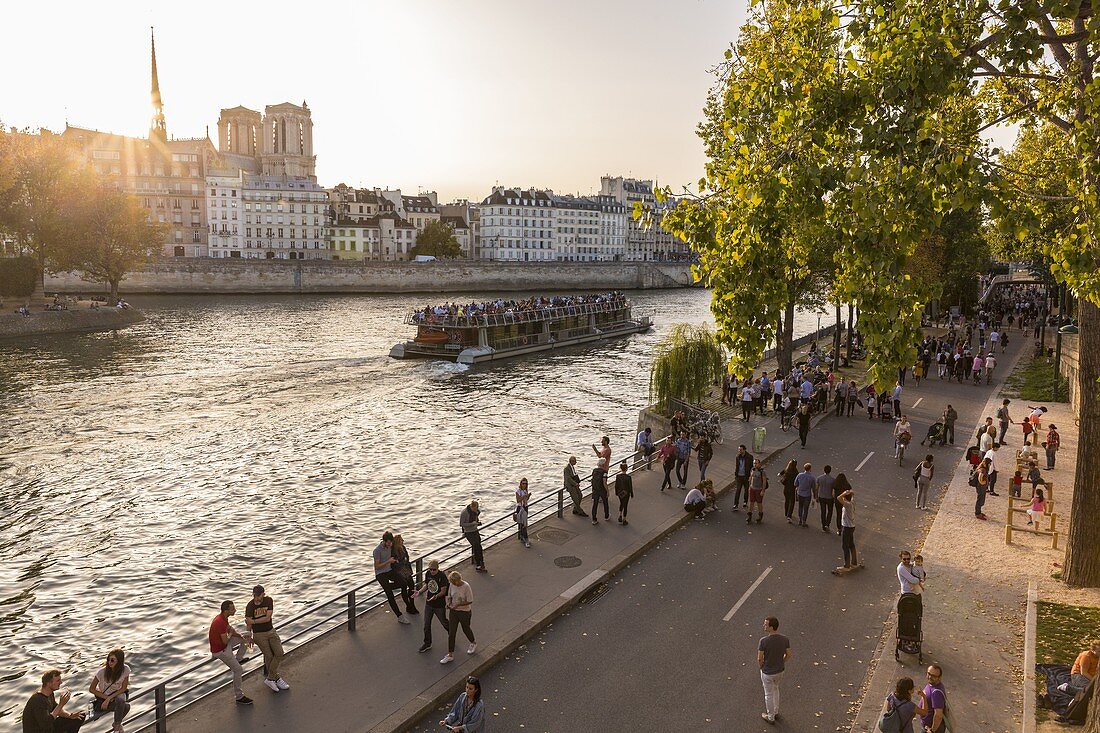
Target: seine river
(145, 475)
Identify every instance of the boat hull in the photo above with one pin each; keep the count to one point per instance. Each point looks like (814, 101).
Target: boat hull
(479, 354)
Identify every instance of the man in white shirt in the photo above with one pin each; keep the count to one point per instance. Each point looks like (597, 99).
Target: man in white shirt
(695, 502)
(778, 386)
(910, 583)
(986, 441)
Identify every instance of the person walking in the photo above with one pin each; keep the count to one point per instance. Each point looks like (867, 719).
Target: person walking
(804, 484)
(45, 710)
(223, 637)
(991, 457)
(1052, 444)
(899, 707)
(897, 398)
(922, 477)
(935, 696)
(742, 467)
(646, 448)
(803, 422)
(110, 686)
(1003, 419)
(704, 452)
(746, 401)
(388, 578)
(683, 459)
(624, 491)
(772, 654)
(787, 476)
(435, 588)
(758, 484)
(573, 486)
(258, 613)
(825, 497)
(519, 514)
(848, 526)
(853, 397)
(469, 522)
(667, 457)
(468, 713)
(599, 491)
(460, 599)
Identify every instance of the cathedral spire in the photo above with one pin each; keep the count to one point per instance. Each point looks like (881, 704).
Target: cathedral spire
(157, 128)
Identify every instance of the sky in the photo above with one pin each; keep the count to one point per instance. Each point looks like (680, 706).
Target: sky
(454, 96)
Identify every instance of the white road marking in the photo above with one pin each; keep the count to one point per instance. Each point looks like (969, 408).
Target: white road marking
(864, 461)
(748, 593)
(917, 403)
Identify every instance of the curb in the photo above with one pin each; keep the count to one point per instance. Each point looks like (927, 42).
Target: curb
(443, 692)
(1029, 657)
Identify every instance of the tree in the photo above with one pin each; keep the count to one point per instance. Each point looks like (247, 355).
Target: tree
(438, 240)
(688, 362)
(42, 178)
(113, 237)
(763, 243)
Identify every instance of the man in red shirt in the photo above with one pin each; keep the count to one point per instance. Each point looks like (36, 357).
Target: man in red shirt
(222, 637)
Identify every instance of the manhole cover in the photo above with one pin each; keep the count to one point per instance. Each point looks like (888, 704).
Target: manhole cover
(567, 561)
(554, 535)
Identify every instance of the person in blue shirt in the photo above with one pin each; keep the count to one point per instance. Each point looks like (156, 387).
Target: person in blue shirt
(468, 713)
(897, 398)
(804, 484)
(683, 453)
(806, 389)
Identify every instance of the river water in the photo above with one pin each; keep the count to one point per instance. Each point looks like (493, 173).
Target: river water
(145, 475)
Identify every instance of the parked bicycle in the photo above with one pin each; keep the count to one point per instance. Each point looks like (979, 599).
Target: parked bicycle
(705, 423)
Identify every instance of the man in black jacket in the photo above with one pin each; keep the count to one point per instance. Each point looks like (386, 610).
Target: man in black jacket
(741, 470)
(573, 486)
(624, 490)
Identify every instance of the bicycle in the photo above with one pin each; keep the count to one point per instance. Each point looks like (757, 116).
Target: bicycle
(707, 424)
(786, 421)
(899, 446)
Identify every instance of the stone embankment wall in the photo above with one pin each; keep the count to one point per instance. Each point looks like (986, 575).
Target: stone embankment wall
(13, 325)
(320, 276)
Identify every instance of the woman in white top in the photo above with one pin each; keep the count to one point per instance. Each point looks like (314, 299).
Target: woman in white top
(460, 599)
(110, 685)
(923, 477)
(903, 433)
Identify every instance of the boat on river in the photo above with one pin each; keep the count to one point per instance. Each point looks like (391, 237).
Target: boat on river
(469, 335)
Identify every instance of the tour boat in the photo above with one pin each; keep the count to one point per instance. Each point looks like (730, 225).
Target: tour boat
(485, 336)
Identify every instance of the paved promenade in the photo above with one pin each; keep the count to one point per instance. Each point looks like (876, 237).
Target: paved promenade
(374, 679)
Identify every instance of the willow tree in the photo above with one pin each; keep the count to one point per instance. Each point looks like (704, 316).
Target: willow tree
(688, 363)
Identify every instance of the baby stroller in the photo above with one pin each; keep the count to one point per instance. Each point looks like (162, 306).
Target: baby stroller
(886, 409)
(910, 636)
(935, 434)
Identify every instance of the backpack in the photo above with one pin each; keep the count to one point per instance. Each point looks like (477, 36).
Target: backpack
(889, 721)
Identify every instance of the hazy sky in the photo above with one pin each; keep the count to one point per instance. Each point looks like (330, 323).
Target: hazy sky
(451, 95)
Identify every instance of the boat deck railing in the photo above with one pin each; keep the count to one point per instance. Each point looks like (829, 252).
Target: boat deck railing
(418, 318)
(151, 706)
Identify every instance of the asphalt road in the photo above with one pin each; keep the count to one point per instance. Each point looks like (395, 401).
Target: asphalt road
(652, 651)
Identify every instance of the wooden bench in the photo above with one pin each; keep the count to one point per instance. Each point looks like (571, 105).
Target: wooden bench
(1010, 528)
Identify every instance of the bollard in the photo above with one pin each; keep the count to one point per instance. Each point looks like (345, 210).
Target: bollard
(351, 610)
(561, 503)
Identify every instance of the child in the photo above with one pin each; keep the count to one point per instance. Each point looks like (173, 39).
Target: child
(1017, 483)
(919, 572)
(1038, 507)
(711, 497)
(1035, 477)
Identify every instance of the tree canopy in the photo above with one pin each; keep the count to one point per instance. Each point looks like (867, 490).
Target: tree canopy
(438, 240)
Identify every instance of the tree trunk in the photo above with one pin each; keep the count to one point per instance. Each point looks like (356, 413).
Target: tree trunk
(784, 339)
(113, 284)
(836, 340)
(1083, 545)
(851, 309)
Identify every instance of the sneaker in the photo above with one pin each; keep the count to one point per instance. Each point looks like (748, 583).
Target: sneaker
(412, 611)
(1029, 524)
(447, 659)
(768, 718)
(595, 520)
(527, 545)
(472, 649)
(825, 529)
(282, 684)
(481, 569)
(271, 685)
(625, 522)
(983, 517)
(735, 508)
(424, 647)
(748, 519)
(244, 700)
(789, 521)
(403, 620)
(620, 520)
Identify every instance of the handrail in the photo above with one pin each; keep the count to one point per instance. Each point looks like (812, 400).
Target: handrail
(354, 604)
(509, 319)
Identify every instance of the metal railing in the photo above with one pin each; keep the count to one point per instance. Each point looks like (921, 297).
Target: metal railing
(350, 604)
(508, 319)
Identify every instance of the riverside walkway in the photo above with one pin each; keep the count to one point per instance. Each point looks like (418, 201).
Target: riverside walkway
(373, 679)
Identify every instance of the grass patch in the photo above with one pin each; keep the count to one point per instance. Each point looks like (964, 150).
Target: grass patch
(1034, 380)
(1061, 631)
